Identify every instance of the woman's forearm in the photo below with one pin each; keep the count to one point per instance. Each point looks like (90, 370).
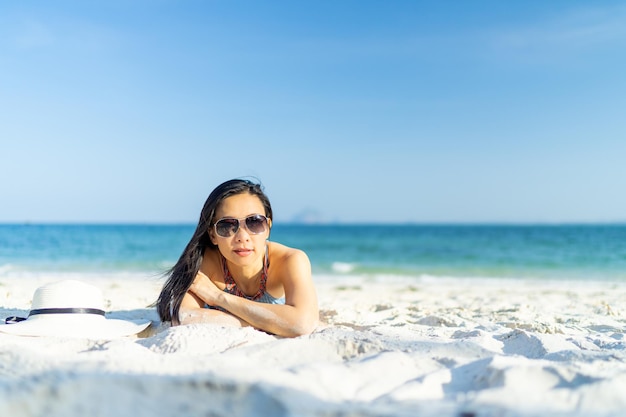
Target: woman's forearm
(190, 315)
(279, 319)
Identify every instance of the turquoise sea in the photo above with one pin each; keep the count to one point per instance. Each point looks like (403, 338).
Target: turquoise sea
(579, 252)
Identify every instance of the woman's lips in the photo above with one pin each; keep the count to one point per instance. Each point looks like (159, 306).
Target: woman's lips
(243, 252)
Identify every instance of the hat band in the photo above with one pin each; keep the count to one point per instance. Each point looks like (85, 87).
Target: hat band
(74, 310)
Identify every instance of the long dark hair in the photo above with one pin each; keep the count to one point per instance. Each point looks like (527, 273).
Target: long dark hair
(182, 274)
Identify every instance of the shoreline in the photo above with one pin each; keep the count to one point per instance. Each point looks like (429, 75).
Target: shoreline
(448, 348)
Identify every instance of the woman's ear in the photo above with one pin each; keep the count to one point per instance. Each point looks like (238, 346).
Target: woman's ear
(212, 237)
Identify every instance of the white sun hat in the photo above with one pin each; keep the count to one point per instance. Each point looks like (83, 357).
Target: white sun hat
(71, 309)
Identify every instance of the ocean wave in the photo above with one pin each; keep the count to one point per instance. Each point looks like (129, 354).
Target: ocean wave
(52, 276)
(343, 267)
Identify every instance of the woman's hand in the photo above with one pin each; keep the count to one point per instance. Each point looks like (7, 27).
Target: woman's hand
(203, 291)
(203, 288)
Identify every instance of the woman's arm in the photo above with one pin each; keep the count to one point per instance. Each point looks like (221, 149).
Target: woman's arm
(192, 311)
(297, 317)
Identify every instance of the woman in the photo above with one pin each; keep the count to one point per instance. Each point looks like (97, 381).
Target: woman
(229, 273)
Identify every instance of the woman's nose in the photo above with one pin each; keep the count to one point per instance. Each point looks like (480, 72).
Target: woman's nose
(242, 234)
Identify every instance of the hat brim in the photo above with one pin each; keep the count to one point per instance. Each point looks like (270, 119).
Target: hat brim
(75, 326)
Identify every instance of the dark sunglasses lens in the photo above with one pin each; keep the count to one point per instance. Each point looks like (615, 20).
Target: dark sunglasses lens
(256, 224)
(227, 227)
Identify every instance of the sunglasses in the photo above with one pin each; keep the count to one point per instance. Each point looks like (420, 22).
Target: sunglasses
(227, 227)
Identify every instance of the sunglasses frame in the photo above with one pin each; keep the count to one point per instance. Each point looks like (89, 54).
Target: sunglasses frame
(244, 223)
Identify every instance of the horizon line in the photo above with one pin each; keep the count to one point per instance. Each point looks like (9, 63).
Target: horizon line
(330, 223)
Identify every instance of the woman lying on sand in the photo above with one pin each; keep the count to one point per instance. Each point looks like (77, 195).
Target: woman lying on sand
(229, 273)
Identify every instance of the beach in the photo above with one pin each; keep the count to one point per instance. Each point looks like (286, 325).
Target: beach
(385, 347)
(447, 175)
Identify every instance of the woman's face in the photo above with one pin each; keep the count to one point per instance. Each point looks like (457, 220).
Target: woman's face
(243, 248)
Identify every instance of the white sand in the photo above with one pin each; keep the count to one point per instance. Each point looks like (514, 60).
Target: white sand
(431, 348)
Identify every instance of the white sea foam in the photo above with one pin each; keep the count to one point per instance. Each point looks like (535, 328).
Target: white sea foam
(5, 269)
(343, 267)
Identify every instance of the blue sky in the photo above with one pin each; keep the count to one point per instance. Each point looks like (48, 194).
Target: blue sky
(351, 111)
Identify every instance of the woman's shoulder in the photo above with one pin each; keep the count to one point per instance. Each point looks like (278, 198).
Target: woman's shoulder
(284, 253)
(288, 264)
